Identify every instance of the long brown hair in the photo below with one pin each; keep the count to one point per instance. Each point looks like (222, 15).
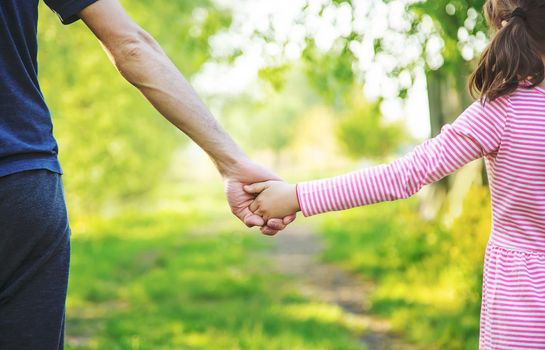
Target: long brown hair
(515, 53)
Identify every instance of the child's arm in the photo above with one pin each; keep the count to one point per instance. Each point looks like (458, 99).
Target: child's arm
(476, 133)
(274, 198)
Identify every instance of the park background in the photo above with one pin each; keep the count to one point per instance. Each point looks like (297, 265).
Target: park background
(309, 88)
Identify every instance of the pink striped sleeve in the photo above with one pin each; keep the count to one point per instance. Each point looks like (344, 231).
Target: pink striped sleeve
(474, 134)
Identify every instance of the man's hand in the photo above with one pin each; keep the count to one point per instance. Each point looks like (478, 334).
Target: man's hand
(235, 179)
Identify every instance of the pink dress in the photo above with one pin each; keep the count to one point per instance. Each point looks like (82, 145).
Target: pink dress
(510, 134)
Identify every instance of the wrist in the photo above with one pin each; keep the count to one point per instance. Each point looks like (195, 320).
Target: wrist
(299, 208)
(296, 207)
(231, 164)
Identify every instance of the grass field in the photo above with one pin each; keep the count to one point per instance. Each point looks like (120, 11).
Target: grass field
(428, 276)
(196, 279)
(182, 281)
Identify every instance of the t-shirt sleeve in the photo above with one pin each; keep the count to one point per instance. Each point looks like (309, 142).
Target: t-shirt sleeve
(476, 133)
(68, 10)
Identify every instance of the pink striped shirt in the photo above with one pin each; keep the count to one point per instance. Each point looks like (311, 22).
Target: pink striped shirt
(510, 134)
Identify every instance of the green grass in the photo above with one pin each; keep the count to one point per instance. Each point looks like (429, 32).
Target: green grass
(181, 281)
(428, 276)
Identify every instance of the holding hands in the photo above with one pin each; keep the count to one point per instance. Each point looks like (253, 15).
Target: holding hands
(241, 201)
(275, 199)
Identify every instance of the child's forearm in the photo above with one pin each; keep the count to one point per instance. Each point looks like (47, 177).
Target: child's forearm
(387, 182)
(369, 186)
(400, 179)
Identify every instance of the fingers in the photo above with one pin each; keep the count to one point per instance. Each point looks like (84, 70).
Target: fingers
(280, 224)
(276, 224)
(252, 220)
(254, 206)
(256, 188)
(289, 219)
(266, 230)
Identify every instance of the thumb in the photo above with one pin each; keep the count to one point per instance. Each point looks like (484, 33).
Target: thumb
(256, 188)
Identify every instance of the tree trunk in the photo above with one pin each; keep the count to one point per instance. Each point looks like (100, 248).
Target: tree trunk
(448, 97)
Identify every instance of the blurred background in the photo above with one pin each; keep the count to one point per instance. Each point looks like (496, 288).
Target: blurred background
(309, 88)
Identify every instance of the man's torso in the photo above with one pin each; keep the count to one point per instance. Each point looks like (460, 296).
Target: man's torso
(26, 137)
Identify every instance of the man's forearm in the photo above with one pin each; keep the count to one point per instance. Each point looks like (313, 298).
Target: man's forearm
(144, 64)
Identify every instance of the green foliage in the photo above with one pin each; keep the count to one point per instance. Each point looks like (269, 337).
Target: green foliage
(113, 145)
(276, 76)
(330, 73)
(271, 124)
(361, 131)
(171, 281)
(274, 124)
(458, 23)
(428, 276)
(449, 17)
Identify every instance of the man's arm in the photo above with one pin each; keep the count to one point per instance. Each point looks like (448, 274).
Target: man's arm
(145, 65)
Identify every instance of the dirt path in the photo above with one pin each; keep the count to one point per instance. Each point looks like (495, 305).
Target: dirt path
(297, 254)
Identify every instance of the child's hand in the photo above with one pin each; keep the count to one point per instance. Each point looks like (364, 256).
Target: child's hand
(276, 199)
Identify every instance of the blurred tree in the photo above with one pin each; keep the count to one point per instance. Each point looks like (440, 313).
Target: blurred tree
(331, 73)
(362, 131)
(274, 123)
(113, 145)
(449, 33)
(463, 30)
(347, 41)
(269, 124)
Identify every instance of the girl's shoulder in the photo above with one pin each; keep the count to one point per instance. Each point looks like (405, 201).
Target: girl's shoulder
(526, 90)
(525, 95)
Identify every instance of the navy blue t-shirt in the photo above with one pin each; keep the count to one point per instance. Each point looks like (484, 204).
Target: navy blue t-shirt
(26, 131)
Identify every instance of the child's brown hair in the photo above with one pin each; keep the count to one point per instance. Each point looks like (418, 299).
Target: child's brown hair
(516, 51)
